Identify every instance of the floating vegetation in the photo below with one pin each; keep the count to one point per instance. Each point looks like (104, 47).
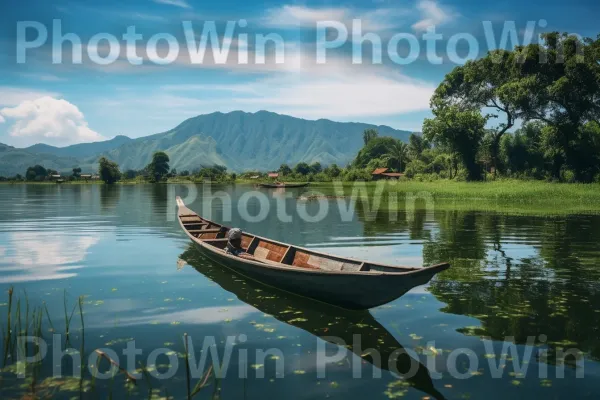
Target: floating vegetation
(291, 321)
(397, 389)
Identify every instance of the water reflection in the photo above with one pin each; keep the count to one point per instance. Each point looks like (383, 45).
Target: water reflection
(521, 279)
(320, 320)
(42, 255)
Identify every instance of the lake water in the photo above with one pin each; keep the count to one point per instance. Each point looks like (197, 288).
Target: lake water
(534, 281)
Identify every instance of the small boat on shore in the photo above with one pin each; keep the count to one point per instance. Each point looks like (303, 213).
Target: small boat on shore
(282, 185)
(343, 282)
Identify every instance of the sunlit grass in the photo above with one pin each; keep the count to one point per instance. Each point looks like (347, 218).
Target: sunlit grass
(509, 196)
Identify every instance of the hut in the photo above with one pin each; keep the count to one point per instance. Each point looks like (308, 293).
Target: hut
(382, 173)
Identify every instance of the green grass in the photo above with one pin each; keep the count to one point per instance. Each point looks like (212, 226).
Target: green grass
(510, 196)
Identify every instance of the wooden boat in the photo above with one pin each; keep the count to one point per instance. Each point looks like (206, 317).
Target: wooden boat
(343, 282)
(282, 185)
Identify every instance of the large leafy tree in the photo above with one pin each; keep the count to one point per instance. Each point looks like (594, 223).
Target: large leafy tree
(559, 84)
(159, 166)
(108, 170)
(302, 168)
(459, 131)
(36, 173)
(486, 85)
(285, 169)
(76, 172)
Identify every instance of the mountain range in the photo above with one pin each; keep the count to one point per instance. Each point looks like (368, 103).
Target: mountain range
(238, 140)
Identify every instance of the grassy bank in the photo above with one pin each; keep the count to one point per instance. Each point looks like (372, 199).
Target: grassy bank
(512, 196)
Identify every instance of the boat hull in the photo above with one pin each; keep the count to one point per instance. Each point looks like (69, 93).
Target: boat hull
(352, 291)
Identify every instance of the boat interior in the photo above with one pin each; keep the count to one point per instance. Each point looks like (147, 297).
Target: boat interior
(272, 252)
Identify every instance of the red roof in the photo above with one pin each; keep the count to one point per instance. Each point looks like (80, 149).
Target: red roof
(379, 171)
(273, 175)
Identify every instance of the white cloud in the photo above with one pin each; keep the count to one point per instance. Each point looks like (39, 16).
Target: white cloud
(43, 77)
(176, 3)
(431, 15)
(12, 96)
(47, 119)
(337, 89)
(2, 120)
(290, 16)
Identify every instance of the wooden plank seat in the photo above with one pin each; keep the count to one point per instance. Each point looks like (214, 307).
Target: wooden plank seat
(215, 230)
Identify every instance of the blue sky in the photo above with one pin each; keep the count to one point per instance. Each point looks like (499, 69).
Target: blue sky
(42, 100)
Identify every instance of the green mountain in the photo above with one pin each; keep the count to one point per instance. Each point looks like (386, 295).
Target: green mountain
(16, 161)
(244, 141)
(238, 140)
(81, 150)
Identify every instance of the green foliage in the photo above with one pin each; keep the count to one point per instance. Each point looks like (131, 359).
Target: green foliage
(397, 156)
(376, 148)
(108, 170)
(158, 167)
(333, 171)
(216, 173)
(458, 131)
(368, 135)
(130, 174)
(284, 170)
(316, 167)
(302, 169)
(36, 173)
(76, 173)
(417, 145)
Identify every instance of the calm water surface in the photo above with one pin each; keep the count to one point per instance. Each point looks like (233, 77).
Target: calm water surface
(512, 277)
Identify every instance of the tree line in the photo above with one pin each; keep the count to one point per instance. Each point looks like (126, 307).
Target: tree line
(550, 89)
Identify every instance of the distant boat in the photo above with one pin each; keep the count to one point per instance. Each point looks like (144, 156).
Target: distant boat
(282, 185)
(343, 282)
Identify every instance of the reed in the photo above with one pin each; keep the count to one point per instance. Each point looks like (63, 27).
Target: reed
(187, 367)
(67, 319)
(7, 336)
(48, 317)
(82, 347)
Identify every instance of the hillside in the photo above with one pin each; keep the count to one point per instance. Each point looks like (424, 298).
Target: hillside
(243, 141)
(238, 140)
(16, 161)
(81, 150)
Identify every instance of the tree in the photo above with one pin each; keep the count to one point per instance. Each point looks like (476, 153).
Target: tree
(369, 134)
(333, 171)
(284, 170)
(36, 173)
(459, 131)
(377, 148)
(316, 167)
(302, 168)
(130, 174)
(397, 156)
(76, 173)
(563, 91)
(416, 145)
(487, 85)
(108, 170)
(159, 166)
